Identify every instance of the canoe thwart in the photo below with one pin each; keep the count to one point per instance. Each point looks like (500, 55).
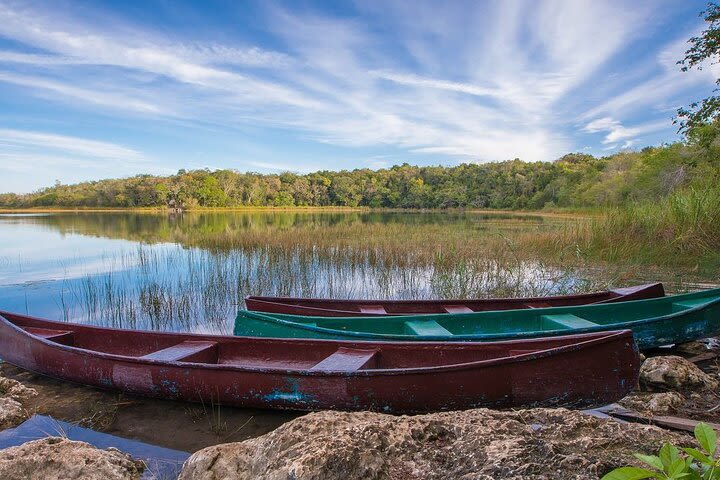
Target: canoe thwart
(348, 360)
(64, 337)
(457, 309)
(568, 320)
(690, 303)
(373, 310)
(187, 351)
(426, 328)
(538, 305)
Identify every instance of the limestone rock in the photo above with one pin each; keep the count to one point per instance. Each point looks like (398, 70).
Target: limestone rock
(15, 390)
(60, 459)
(674, 373)
(663, 403)
(12, 413)
(475, 444)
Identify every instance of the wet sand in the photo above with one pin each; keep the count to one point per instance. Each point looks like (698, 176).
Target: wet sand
(177, 425)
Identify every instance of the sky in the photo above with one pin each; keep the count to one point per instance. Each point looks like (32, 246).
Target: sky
(92, 90)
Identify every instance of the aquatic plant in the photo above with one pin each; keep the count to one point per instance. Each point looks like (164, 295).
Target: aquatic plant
(670, 464)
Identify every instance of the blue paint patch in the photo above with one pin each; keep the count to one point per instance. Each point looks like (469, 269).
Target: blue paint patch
(293, 396)
(106, 382)
(170, 387)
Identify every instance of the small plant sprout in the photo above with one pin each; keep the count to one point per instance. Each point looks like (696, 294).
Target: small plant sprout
(670, 463)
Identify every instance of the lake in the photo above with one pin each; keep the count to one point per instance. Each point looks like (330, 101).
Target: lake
(190, 272)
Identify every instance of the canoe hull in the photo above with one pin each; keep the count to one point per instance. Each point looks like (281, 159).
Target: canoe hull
(357, 308)
(588, 371)
(653, 332)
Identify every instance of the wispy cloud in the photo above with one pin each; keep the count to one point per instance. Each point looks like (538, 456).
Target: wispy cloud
(458, 81)
(69, 144)
(617, 132)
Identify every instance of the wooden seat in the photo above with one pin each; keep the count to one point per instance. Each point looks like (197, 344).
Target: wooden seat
(691, 303)
(568, 320)
(347, 360)
(188, 351)
(457, 309)
(64, 337)
(373, 309)
(538, 305)
(426, 328)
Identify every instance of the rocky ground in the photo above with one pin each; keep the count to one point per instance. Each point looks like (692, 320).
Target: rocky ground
(58, 458)
(672, 385)
(475, 444)
(13, 396)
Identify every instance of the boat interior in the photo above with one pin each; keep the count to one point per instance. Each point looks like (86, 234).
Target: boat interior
(271, 353)
(505, 322)
(409, 307)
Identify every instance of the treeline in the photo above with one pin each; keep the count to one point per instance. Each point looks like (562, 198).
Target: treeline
(575, 180)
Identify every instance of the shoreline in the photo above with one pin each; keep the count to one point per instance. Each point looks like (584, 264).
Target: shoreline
(569, 213)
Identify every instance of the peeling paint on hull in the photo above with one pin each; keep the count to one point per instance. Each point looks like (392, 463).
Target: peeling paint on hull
(576, 371)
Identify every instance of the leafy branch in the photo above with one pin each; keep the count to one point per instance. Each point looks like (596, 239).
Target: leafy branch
(671, 464)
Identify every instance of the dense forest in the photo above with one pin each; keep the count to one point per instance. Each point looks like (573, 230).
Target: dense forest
(575, 180)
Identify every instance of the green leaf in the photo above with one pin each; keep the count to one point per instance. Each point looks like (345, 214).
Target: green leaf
(706, 437)
(698, 455)
(678, 469)
(652, 460)
(629, 473)
(668, 455)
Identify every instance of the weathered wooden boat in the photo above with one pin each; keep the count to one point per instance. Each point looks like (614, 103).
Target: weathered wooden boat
(655, 322)
(574, 371)
(360, 308)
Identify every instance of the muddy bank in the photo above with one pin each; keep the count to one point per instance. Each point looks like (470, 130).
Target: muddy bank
(176, 425)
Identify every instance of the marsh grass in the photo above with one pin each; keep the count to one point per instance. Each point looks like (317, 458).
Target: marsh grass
(202, 286)
(681, 231)
(192, 272)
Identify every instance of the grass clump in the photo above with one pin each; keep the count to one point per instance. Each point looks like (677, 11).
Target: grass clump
(681, 229)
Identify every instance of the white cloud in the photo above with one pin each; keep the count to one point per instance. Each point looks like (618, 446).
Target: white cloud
(617, 132)
(416, 81)
(478, 81)
(282, 167)
(84, 95)
(69, 144)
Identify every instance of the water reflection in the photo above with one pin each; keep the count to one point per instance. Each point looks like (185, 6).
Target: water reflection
(190, 272)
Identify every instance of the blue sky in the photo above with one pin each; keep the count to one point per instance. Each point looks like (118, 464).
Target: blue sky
(93, 89)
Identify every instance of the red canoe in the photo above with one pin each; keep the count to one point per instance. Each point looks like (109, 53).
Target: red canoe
(574, 371)
(354, 308)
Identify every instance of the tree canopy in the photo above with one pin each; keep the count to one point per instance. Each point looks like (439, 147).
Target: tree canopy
(575, 180)
(705, 47)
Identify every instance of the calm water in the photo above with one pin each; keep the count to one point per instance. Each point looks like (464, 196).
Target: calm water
(190, 272)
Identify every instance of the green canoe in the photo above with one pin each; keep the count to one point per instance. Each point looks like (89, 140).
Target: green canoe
(654, 322)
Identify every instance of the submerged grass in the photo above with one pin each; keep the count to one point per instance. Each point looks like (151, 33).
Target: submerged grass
(170, 287)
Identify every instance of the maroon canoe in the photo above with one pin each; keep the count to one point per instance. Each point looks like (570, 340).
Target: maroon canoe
(354, 308)
(574, 371)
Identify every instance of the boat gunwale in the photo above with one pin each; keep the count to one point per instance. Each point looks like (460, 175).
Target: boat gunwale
(270, 318)
(595, 339)
(286, 301)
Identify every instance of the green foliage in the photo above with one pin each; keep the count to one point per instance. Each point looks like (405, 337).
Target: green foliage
(702, 48)
(669, 464)
(575, 180)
